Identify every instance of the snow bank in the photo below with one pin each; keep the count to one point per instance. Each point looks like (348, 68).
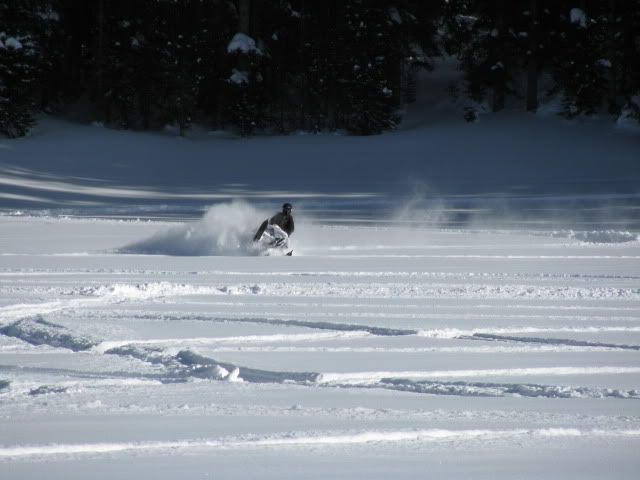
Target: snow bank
(226, 229)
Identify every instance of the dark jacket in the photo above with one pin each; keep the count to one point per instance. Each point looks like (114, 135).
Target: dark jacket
(285, 222)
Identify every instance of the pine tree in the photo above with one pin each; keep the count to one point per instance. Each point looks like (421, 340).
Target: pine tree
(365, 98)
(628, 76)
(20, 68)
(580, 63)
(182, 51)
(216, 25)
(247, 106)
(122, 42)
(483, 37)
(49, 34)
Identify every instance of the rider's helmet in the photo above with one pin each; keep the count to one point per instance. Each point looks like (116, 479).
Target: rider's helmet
(286, 208)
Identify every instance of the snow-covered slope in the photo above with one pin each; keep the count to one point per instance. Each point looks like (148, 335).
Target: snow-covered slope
(510, 166)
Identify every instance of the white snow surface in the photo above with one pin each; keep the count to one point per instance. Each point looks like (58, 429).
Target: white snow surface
(165, 349)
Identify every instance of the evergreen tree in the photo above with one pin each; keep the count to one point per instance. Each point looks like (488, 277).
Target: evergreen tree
(122, 43)
(365, 98)
(483, 37)
(628, 76)
(20, 68)
(302, 64)
(247, 87)
(182, 51)
(217, 24)
(580, 63)
(49, 34)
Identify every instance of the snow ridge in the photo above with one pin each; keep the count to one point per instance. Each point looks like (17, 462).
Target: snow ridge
(340, 327)
(487, 389)
(189, 364)
(38, 331)
(124, 292)
(373, 377)
(553, 341)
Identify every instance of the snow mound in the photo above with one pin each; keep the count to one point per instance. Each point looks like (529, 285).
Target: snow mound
(599, 236)
(38, 331)
(226, 229)
(200, 366)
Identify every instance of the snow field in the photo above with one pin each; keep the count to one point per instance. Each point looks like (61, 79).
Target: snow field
(415, 345)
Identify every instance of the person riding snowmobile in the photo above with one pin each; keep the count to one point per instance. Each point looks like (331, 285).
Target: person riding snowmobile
(282, 219)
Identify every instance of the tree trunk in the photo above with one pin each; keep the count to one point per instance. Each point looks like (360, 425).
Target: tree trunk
(498, 50)
(303, 122)
(244, 16)
(331, 58)
(628, 48)
(613, 80)
(335, 60)
(244, 26)
(220, 104)
(102, 109)
(532, 58)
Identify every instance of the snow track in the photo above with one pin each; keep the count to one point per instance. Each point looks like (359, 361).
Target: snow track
(299, 439)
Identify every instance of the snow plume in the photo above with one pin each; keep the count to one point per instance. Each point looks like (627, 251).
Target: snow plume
(226, 229)
(423, 207)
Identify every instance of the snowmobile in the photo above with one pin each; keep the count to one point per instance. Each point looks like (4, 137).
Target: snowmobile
(273, 241)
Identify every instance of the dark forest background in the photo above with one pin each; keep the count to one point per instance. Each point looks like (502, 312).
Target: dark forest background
(280, 66)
